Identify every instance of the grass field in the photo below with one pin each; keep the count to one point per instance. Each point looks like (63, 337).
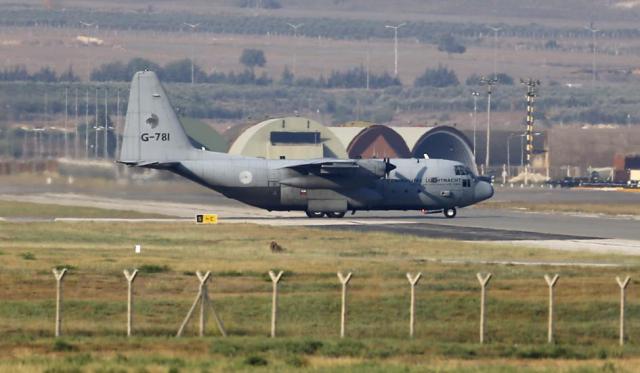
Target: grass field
(38, 210)
(583, 208)
(308, 329)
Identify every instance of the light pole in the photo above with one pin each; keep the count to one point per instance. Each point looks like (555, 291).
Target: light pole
(193, 29)
(495, 46)
(86, 125)
(66, 120)
(489, 83)
(594, 31)
(295, 47)
(475, 95)
(511, 135)
(105, 153)
(395, 45)
(95, 126)
(89, 60)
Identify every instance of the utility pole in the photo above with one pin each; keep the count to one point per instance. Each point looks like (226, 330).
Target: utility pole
(295, 47)
(86, 127)
(594, 31)
(531, 95)
(105, 153)
(193, 29)
(75, 129)
(66, 120)
(495, 47)
(95, 127)
(489, 83)
(395, 45)
(475, 95)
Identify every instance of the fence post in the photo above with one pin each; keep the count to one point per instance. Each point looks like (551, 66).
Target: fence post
(623, 287)
(59, 275)
(484, 281)
(203, 299)
(413, 281)
(275, 279)
(130, 276)
(344, 280)
(551, 282)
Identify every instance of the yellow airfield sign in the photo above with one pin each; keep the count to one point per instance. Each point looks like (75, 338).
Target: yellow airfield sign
(207, 219)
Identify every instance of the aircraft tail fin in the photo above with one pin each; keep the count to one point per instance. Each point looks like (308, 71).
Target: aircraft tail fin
(152, 132)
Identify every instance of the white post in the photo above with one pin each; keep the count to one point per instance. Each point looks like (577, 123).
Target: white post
(130, 276)
(413, 281)
(275, 279)
(344, 280)
(551, 282)
(59, 275)
(484, 281)
(623, 286)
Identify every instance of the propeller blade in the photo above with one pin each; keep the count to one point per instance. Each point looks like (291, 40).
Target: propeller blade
(388, 167)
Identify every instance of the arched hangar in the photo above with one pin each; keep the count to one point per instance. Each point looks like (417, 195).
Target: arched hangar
(303, 138)
(372, 141)
(288, 138)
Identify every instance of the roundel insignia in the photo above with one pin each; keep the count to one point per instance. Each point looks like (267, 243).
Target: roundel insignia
(245, 177)
(153, 121)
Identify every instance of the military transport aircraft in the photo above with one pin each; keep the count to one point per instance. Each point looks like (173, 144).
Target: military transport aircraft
(154, 138)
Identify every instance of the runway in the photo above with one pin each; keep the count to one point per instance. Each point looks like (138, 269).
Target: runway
(545, 230)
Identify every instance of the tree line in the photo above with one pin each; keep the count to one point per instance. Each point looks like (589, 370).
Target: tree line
(45, 74)
(334, 28)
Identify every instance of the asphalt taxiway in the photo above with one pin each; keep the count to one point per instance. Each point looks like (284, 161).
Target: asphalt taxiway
(564, 231)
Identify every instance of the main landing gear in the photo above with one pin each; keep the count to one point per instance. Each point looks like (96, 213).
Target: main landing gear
(449, 213)
(333, 215)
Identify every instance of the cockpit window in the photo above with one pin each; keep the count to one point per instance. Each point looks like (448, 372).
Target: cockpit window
(460, 170)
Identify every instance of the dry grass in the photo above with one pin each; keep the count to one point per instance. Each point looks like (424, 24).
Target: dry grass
(220, 52)
(10, 209)
(613, 209)
(239, 257)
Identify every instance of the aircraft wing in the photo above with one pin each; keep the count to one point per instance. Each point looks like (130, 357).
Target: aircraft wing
(324, 166)
(375, 168)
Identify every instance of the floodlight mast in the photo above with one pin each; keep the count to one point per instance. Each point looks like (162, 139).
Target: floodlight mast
(489, 83)
(475, 95)
(295, 36)
(594, 31)
(395, 45)
(495, 47)
(193, 27)
(532, 92)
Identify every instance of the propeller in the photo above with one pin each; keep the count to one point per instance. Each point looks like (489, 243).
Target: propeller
(388, 167)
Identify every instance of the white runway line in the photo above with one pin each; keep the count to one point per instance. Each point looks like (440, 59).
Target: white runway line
(123, 220)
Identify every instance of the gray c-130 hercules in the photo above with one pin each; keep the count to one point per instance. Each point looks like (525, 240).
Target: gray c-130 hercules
(154, 138)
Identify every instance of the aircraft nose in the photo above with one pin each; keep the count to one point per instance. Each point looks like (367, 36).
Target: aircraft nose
(483, 190)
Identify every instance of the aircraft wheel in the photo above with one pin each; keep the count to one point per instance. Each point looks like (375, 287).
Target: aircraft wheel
(313, 214)
(450, 213)
(335, 215)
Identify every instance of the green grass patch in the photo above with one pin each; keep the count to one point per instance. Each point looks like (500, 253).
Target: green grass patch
(11, 209)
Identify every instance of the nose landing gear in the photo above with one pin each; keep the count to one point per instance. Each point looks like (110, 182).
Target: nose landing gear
(449, 213)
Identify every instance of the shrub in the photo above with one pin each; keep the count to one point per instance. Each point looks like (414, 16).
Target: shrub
(438, 77)
(256, 361)
(153, 268)
(60, 345)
